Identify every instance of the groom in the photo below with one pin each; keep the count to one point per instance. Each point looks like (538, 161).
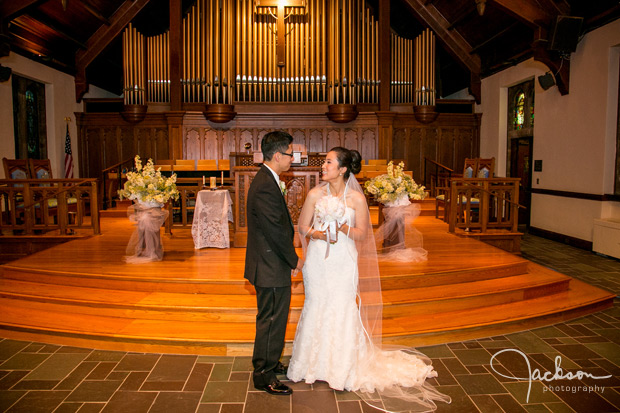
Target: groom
(270, 260)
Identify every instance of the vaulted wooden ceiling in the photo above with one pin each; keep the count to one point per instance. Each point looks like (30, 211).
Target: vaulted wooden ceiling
(476, 38)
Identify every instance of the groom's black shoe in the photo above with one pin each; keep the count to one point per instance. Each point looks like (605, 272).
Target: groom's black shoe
(276, 387)
(280, 368)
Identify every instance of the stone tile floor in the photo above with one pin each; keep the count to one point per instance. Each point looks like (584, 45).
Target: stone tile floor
(36, 377)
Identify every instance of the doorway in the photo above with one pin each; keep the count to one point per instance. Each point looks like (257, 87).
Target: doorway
(521, 167)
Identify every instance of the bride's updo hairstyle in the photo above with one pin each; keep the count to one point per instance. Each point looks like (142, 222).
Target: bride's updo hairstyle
(350, 159)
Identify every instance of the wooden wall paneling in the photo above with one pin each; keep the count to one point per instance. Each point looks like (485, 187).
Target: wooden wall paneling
(369, 143)
(446, 147)
(333, 139)
(126, 144)
(192, 144)
(161, 137)
(94, 152)
(416, 154)
(226, 144)
(299, 139)
(315, 141)
(246, 135)
(399, 144)
(430, 143)
(464, 147)
(351, 140)
(259, 138)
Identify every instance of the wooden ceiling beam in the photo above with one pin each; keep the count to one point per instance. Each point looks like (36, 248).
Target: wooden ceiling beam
(92, 9)
(528, 11)
(466, 15)
(101, 39)
(494, 37)
(9, 9)
(39, 18)
(455, 44)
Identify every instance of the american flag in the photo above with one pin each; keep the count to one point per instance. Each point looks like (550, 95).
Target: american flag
(68, 156)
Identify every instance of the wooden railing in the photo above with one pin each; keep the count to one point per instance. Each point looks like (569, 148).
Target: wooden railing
(44, 205)
(112, 181)
(438, 175)
(482, 204)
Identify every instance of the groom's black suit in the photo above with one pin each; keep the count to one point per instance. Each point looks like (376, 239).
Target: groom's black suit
(270, 256)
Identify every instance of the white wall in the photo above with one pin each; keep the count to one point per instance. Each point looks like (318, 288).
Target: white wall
(60, 103)
(574, 135)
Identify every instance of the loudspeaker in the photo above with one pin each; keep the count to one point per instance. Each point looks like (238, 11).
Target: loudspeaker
(5, 73)
(546, 81)
(565, 35)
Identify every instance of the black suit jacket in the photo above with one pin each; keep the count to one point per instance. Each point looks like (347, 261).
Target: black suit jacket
(270, 254)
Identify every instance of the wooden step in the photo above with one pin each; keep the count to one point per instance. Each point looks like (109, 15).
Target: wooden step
(105, 329)
(242, 308)
(239, 285)
(197, 301)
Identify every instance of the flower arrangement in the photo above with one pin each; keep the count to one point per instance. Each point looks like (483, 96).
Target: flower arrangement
(283, 188)
(147, 185)
(394, 186)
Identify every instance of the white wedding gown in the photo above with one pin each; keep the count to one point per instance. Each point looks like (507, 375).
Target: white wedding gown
(331, 344)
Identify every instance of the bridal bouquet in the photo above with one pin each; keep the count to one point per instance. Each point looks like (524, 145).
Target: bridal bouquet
(328, 212)
(394, 188)
(148, 186)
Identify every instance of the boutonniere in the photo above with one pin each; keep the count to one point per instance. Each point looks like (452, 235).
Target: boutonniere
(283, 187)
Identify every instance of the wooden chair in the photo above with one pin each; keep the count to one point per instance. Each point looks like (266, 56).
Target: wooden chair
(223, 164)
(163, 167)
(472, 168)
(16, 168)
(41, 168)
(377, 162)
(185, 162)
(206, 165)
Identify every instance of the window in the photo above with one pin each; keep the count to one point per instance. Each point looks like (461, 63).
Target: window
(519, 111)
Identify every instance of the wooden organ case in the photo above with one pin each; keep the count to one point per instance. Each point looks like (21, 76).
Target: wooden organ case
(229, 71)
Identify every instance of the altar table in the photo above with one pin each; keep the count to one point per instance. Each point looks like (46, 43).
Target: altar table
(211, 215)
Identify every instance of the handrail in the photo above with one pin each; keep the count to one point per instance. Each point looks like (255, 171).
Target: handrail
(491, 193)
(434, 178)
(116, 165)
(104, 173)
(438, 164)
(55, 194)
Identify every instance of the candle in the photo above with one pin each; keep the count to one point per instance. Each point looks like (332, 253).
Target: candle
(222, 178)
(203, 180)
(212, 182)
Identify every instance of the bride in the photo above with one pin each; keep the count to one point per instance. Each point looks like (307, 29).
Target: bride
(338, 338)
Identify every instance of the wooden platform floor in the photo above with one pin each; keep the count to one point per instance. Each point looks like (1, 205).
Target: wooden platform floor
(197, 301)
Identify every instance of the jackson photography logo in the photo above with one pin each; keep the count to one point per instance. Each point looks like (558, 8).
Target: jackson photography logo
(547, 376)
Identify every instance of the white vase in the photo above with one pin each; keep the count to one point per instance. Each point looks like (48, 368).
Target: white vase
(150, 204)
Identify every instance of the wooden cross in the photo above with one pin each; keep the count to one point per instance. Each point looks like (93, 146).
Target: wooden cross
(280, 4)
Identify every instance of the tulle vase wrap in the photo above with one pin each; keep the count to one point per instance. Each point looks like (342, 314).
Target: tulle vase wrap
(397, 238)
(145, 244)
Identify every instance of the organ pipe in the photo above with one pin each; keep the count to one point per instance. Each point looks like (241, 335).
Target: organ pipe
(230, 54)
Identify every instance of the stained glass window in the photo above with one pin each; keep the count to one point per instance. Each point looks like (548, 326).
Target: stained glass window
(519, 111)
(32, 124)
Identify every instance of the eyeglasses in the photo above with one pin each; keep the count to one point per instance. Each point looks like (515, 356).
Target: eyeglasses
(290, 155)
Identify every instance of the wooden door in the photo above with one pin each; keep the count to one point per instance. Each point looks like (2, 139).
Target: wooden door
(521, 167)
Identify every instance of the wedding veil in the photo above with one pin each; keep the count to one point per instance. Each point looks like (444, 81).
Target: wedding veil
(384, 395)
